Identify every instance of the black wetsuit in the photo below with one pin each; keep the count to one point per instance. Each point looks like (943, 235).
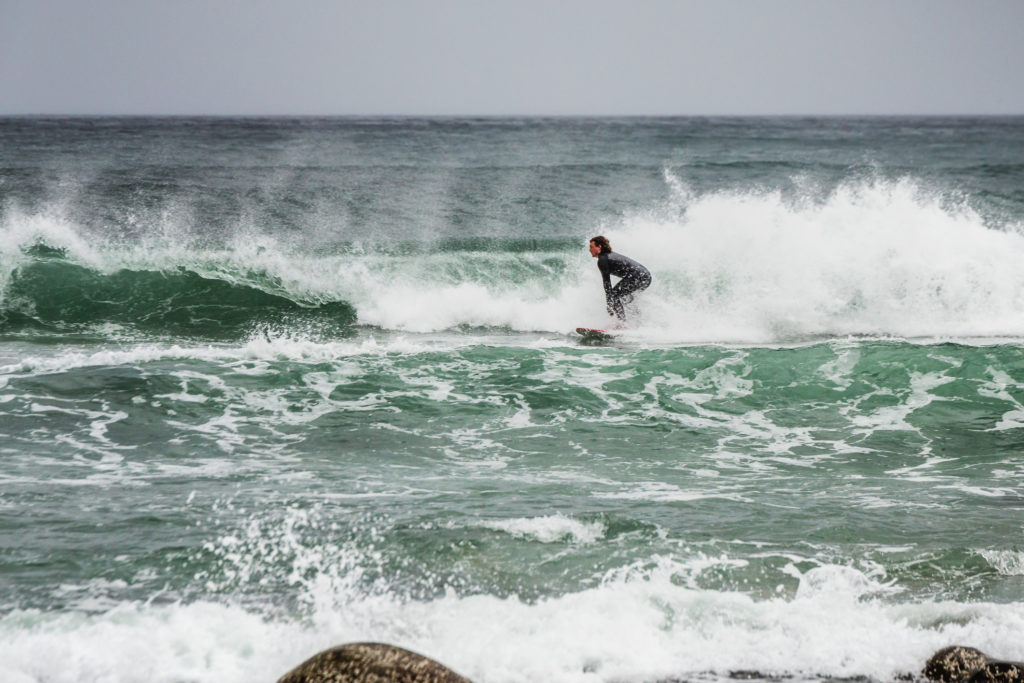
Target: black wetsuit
(635, 278)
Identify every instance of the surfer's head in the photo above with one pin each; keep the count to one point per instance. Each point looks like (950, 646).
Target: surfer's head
(600, 245)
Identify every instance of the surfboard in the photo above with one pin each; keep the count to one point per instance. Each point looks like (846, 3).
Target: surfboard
(593, 334)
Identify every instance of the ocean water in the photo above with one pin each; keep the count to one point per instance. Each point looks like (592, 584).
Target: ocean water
(273, 385)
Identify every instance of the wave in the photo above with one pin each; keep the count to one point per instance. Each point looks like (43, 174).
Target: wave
(639, 625)
(873, 258)
(50, 293)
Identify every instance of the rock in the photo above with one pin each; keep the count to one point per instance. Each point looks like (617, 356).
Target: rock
(999, 672)
(370, 663)
(960, 664)
(954, 664)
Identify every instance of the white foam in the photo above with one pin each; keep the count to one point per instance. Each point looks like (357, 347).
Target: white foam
(549, 529)
(665, 492)
(135, 643)
(879, 258)
(640, 626)
(1006, 562)
(839, 371)
(51, 227)
(836, 583)
(999, 388)
(258, 348)
(895, 417)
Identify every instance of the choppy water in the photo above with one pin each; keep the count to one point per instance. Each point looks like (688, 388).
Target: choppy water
(267, 386)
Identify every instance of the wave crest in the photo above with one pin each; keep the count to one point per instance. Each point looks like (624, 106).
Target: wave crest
(51, 292)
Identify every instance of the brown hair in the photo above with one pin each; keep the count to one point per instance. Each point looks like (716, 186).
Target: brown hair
(602, 241)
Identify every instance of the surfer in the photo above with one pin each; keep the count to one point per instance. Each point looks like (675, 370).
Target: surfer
(635, 278)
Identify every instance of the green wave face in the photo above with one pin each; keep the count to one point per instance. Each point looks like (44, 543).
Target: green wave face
(60, 295)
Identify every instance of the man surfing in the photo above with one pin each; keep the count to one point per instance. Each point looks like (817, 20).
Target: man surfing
(635, 278)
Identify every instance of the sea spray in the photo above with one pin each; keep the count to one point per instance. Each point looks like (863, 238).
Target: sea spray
(883, 258)
(878, 258)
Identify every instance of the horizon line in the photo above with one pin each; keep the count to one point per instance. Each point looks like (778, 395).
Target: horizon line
(502, 116)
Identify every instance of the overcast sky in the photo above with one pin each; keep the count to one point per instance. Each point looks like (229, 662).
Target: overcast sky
(493, 57)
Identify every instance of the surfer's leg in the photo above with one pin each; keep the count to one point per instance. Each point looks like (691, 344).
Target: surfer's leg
(622, 294)
(614, 304)
(615, 307)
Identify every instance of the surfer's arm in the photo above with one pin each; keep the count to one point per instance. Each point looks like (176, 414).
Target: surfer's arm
(606, 277)
(606, 274)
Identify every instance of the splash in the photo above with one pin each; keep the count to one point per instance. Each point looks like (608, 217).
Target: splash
(636, 625)
(873, 258)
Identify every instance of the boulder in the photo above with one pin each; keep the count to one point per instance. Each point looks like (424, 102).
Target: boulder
(999, 672)
(954, 664)
(960, 664)
(370, 663)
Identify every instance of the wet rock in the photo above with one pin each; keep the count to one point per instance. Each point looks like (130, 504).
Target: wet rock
(370, 663)
(954, 664)
(999, 672)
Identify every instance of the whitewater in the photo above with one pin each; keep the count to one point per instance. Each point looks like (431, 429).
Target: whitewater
(272, 385)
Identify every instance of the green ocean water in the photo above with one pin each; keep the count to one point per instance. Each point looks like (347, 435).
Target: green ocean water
(267, 386)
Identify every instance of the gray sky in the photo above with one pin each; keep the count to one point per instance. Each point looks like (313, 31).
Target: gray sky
(562, 57)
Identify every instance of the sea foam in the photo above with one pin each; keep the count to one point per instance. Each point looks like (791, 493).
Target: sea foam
(549, 529)
(872, 258)
(649, 620)
(638, 627)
